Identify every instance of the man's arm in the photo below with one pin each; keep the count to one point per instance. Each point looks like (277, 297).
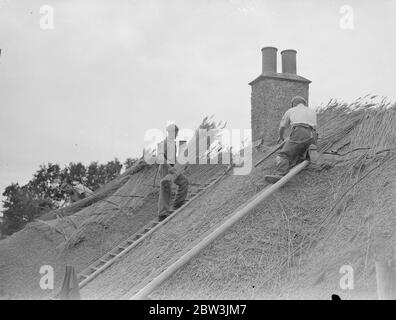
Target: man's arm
(281, 134)
(285, 123)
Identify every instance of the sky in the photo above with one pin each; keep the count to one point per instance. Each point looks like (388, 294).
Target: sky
(88, 88)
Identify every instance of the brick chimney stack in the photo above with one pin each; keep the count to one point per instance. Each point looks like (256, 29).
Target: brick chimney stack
(272, 93)
(289, 63)
(269, 55)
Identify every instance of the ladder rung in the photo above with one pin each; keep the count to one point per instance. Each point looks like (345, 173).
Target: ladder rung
(116, 251)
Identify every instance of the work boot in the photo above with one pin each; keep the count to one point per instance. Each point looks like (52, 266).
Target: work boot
(178, 205)
(272, 178)
(162, 216)
(282, 168)
(165, 215)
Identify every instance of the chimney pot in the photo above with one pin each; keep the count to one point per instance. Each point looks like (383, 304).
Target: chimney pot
(269, 59)
(289, 64)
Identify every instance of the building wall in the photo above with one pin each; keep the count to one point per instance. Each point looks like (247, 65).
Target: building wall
(270, 98)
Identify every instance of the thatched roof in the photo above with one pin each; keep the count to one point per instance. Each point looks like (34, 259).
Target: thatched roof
(294, 244)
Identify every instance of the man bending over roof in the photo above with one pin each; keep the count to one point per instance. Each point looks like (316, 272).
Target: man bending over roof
(302, 142)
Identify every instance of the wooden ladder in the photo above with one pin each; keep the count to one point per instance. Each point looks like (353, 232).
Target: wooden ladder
(101, 264)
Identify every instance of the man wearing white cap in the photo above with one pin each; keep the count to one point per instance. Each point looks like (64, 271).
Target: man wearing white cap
(169, 174)
(302, 141)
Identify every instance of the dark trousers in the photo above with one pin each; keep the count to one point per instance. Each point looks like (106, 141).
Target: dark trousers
(169, 176)
(296, 148)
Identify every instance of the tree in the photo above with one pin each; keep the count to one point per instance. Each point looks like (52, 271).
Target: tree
(93, 178)
(46, 182)
(98, 175)
(112, 169)
(43, 193)
(40, 195)
(21, 207)
(76, 172)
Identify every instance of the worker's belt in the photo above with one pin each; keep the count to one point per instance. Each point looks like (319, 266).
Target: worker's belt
(305, 125)
(313, 134)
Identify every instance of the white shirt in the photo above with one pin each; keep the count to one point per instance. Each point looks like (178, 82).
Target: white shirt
(299, 114)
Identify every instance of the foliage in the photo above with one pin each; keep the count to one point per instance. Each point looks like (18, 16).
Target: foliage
(21, 206)
(42, 193)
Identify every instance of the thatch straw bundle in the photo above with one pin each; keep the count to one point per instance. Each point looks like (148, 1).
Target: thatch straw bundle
(320, 221)
(363, 134)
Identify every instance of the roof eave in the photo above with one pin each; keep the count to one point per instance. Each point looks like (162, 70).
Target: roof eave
(281, 77)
